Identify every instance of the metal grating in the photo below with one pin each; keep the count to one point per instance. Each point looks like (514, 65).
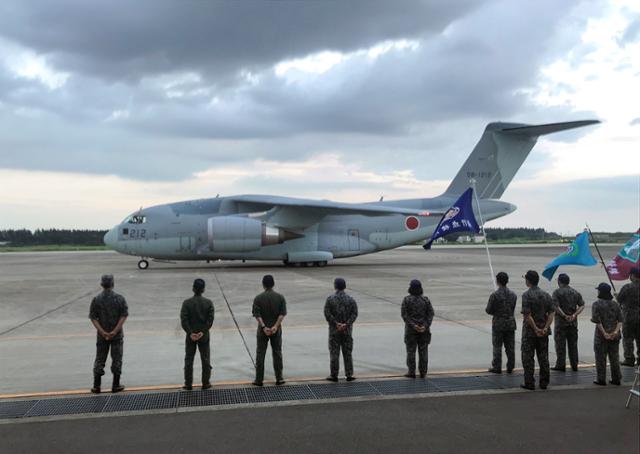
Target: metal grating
(16, 408)
(134, 402)
(280, 393)
(337, 390)
(229, 396)
(506, 381)
(243, 395)
(464, 383)
(410, 386)
(81, 405)
(628, 373)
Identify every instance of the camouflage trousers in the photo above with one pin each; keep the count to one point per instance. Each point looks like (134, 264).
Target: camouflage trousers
(103, 347)
(603, 348)
(340, 341)
(417, 341)
(508, 339)
(203, 347)
(262, 341)
(631, 333)
(566, 336)
(535, 346)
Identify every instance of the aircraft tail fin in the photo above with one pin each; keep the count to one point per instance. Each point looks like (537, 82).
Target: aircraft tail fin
(499, 154)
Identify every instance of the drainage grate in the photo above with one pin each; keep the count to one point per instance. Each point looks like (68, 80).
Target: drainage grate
(506, 381)
(279, 393)
(233, 396)
(464, 383)
(16, 408)
(628, 373)
(410, 386)
(212, 397)
(337, 390)
(49, 407)
(134, 402)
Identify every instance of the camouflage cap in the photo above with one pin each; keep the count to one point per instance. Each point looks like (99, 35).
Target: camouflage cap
(106, 280)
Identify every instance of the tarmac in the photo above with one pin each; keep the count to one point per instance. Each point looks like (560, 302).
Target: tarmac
(47, 343)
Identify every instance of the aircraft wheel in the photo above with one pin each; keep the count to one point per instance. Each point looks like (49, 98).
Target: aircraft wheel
(322, 263)
(143, 264)
(309, 264)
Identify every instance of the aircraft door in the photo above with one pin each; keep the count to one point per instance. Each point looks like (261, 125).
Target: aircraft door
(187, 243)
(353, 239)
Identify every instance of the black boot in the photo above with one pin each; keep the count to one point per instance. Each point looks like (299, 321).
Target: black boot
(96, 384)
(116, 387)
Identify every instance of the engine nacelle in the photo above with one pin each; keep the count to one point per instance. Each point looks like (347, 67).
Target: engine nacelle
(238, 234)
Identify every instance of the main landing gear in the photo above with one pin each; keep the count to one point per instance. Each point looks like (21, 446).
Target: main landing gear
(321, 263)
(143, 264)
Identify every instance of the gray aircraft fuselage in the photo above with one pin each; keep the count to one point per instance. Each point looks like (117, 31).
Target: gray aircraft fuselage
(180, 231)
(303, 231)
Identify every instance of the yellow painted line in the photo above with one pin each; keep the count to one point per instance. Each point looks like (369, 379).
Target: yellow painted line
(215, 330)
(242, 382)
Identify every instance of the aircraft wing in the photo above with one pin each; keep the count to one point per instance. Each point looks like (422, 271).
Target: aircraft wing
(248, 203)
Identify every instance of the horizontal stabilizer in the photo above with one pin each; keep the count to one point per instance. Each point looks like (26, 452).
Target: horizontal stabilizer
(540, 130)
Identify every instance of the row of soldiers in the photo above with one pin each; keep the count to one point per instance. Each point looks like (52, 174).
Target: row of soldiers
(109, 311)
(539, 310)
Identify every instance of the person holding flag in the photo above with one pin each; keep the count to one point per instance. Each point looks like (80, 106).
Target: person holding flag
(607, 316)
(577, 253)
(629, 299)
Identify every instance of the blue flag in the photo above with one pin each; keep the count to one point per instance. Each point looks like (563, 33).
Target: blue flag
(578, 253)
(459, 218)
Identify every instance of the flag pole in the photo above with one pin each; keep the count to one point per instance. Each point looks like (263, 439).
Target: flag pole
(486, 244)
(601, 259)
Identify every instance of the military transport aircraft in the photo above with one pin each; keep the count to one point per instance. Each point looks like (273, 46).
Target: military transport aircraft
(313, 232)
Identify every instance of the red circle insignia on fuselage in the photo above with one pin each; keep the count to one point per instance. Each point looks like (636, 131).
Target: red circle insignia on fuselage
(412, 223)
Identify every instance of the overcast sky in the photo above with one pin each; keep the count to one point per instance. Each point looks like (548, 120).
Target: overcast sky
(109, 106)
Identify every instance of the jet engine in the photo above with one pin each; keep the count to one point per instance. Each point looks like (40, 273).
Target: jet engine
(238, 234)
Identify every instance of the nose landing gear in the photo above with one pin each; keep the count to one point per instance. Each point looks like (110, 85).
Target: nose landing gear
(143, 264)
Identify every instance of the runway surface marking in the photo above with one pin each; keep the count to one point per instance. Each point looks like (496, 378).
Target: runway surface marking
(246, 347)
(68, 303)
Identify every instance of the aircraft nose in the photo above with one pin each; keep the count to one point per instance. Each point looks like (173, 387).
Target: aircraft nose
(110, 238)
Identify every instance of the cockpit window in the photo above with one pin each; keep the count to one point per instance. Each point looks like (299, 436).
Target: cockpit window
(136, 219)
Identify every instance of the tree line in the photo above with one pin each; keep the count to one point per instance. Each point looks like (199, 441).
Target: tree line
(40, 237)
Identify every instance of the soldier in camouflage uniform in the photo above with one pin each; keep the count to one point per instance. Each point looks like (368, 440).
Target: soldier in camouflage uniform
(108, 312)
(538, 312)
(417, 314)
(607, 315)
(341, 311)
(269, 309)
(196, 318)
(569, 304)
(501, 305)
(629, 299)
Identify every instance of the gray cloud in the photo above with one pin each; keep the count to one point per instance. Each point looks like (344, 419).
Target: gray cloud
(115, 114)
(635, 121)
(121, 40)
